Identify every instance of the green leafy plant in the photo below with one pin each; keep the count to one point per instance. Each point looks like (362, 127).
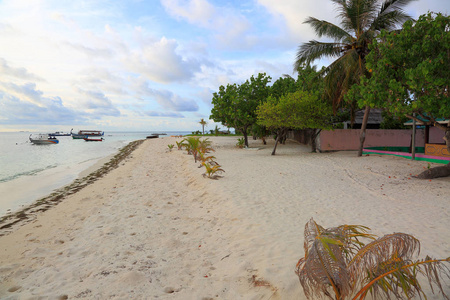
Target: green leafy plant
(180, 145)
(170, 146)
(210, 159)
(204, 146)
(191, 144)
(337, 262)
(240, 143)
(211, 170)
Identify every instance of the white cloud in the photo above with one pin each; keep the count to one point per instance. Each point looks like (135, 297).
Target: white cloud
(20, 73)
(97, 104)
(292, 13)
(163, 114)
(160, 62)
(14, 110)
(199, 12)
(227, 25)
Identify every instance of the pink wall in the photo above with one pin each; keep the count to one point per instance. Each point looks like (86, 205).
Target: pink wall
(348, 139)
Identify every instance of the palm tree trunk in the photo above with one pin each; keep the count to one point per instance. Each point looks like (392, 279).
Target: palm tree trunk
(362, 136)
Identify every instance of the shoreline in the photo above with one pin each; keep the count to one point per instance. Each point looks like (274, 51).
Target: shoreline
(28, 213)
(156, 228)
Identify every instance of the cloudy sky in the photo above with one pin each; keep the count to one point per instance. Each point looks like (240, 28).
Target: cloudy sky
(143, 64)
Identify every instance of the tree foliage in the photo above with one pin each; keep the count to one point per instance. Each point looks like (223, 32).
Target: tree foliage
(298, 110)
(410, 70)
(410, 73)
(235, 105)
(361, 21)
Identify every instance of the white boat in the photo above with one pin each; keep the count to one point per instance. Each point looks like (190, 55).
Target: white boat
(43, 139)
(86, 133)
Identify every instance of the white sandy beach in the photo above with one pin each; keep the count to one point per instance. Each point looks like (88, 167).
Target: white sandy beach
(155, 228)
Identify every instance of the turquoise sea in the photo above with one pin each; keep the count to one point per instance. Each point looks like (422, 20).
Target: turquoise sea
(29, 172)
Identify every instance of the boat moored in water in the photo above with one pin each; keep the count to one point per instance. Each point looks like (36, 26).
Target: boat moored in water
(43, 139)
(91, 132)
(60, 133)
(86, 133)
(91, 139)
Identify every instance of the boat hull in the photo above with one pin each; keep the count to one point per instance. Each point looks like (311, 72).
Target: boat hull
(78, 136)
(44, 142)
(91, 133)
(93, 140)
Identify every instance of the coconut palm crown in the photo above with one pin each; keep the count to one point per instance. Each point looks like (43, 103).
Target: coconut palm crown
(361, 21)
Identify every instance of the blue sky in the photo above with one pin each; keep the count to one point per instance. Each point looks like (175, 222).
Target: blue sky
(143, 65)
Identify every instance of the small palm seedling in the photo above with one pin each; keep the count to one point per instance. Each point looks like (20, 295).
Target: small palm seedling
(204, 146)
(180, 144)
(240, 143)
(338, 263)
(170, 147)
(191, 145)
(211, 170)
(205, 158)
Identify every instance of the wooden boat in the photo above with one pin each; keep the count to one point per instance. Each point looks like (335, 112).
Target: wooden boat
(43, 139)
(152, 136)
(91, 132)
(91, 139)
(86, 133)
(57, 133)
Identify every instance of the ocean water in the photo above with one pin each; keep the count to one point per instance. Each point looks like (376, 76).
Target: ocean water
(29, 172)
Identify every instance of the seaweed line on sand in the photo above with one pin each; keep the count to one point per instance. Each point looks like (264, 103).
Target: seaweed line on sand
(11, 221)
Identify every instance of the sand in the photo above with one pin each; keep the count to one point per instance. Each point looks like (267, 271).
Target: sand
(156, 228)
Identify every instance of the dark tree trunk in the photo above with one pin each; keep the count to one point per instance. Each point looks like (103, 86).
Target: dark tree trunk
(313, 139)
(362, 136)
(244, 131)
(441, 171)
(279, 137)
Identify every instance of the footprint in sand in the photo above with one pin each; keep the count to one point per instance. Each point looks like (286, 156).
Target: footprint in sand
(14, 288)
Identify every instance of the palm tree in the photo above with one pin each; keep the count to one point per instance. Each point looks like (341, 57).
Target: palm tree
(337, 263)
(361, 21)
(203, 122)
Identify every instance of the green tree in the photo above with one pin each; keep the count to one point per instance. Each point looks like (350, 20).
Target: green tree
(299, 110)
(235, 106)
(410, 74)
(361, 21)
(203, 123)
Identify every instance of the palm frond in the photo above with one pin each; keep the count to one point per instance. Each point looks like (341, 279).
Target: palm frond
(324, 28)
(390, 15)
(308, 52)
(323, 270)
(371, 256)
(401, 279)
(387, 255)
(341, 75)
